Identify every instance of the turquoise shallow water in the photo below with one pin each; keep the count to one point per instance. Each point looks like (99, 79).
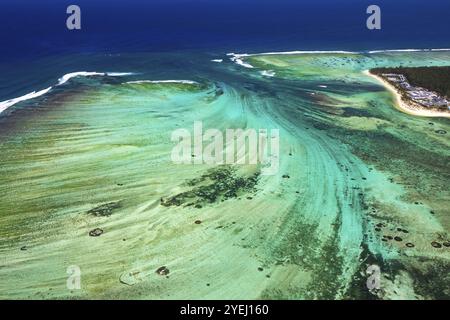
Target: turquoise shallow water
(354, 173)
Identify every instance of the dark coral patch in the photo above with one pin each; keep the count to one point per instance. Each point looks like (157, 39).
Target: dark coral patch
(106, 209)
(216, 185)
(162, 271)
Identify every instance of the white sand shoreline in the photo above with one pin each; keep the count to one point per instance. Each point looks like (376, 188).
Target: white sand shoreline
(406, 107)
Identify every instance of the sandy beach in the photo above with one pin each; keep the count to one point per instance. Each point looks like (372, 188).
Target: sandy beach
(406, 107)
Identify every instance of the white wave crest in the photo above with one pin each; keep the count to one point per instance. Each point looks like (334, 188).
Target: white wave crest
(406, 50)
(298, 52)
(238, 59)
(71, 75)
(119, 74)
(243, 55)
(8, 103)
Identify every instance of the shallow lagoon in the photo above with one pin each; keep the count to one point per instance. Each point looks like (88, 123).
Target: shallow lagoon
(361, 181)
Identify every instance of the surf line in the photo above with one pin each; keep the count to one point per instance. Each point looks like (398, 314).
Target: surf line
(64, 79)
(239, 58)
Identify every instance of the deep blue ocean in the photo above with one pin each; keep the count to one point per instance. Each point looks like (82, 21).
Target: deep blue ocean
(36, 46)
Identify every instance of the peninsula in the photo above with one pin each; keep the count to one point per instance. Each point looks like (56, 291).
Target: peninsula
(422, 91)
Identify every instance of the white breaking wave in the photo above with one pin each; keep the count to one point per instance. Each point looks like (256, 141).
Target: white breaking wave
(163, 81)
(8, 103)
(407, 50)
(119, 74)
(71, 75)
(298, 52)
(398, 50)
(332, 51)
(217, 60)
(239, 57)
(323, 86)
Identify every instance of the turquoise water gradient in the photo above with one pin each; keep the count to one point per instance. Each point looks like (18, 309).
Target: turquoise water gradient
(360, 183)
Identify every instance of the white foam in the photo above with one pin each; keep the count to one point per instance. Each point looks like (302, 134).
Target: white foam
(323, 86)
(300, 52)
(243, 55)
(406, 50)
(342, 52)
(119, 74)
(71, 75)
(8, 103)
(238, 59)
(398, 50)
(268, 73)
(217, 60)
(162, 81)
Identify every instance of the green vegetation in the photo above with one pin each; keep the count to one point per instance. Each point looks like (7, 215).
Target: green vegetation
(432, 78)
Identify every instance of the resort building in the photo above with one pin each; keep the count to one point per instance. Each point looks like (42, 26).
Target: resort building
(419, 95)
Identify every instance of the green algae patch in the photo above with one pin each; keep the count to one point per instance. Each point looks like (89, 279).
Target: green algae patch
(218, 184)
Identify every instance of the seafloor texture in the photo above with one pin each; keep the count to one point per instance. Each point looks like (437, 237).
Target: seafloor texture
(360, 183)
